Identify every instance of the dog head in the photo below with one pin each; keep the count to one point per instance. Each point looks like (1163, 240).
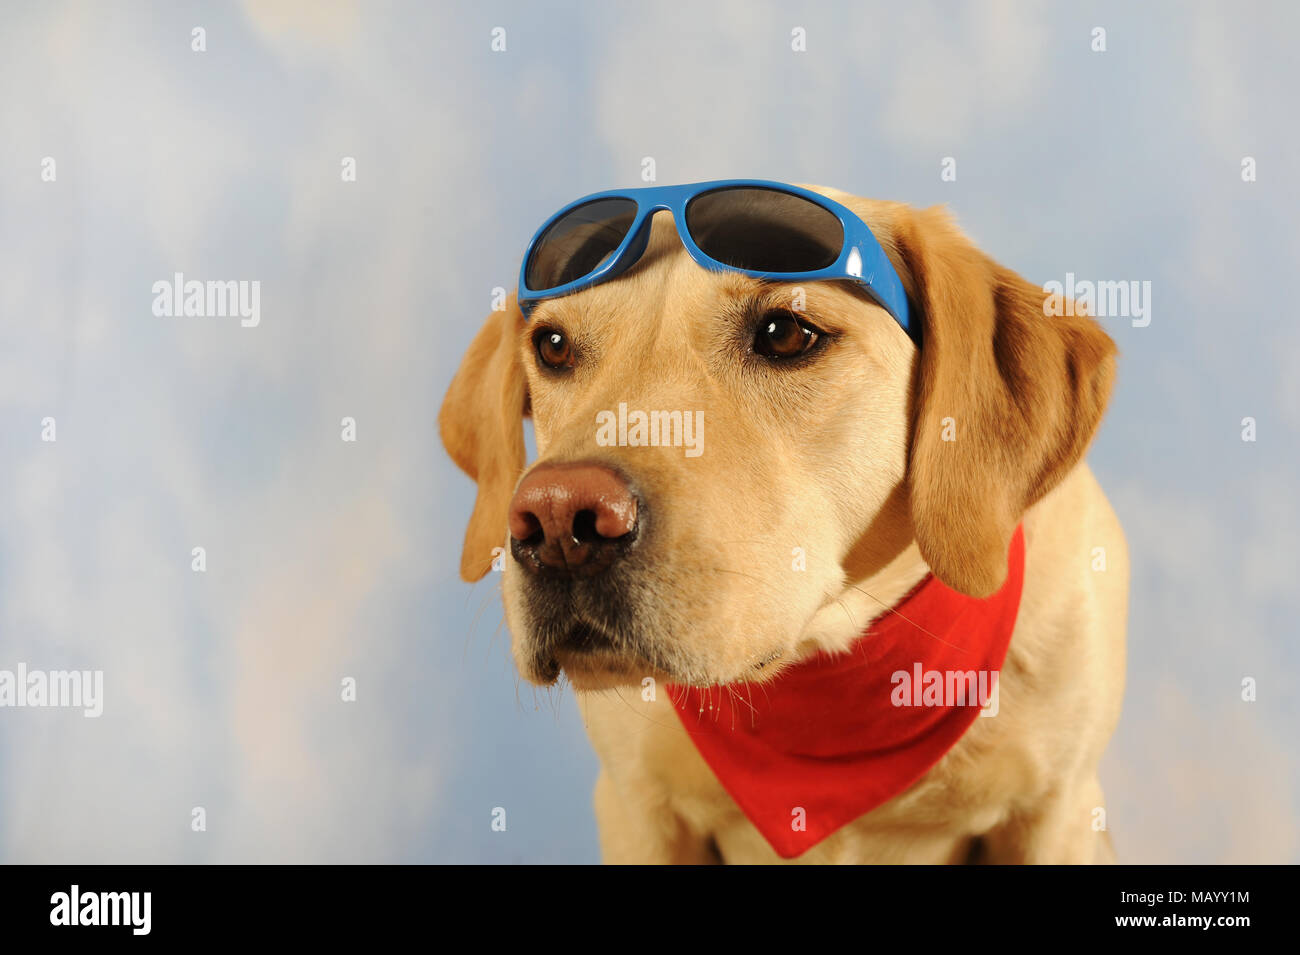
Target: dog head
(719, 458)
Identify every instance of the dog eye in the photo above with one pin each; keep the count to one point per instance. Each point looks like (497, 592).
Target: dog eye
(782, 335)
(553, 348)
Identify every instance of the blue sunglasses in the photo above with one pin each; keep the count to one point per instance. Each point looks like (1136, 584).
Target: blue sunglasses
(766, 230)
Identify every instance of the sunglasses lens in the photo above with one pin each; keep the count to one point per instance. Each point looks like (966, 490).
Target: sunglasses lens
(764, 230)
(579, 242)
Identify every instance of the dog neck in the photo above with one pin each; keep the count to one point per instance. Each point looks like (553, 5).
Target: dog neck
(842, 619)
(835, 735)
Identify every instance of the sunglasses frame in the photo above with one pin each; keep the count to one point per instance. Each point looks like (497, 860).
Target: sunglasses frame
(861, 258)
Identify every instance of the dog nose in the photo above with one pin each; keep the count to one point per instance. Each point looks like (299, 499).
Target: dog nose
(577, 518)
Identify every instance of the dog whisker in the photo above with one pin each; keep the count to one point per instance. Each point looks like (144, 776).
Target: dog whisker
(899, 613)
(644, 716)
(847, 612)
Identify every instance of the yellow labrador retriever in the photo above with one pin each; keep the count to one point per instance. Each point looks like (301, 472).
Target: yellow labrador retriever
(821, 431)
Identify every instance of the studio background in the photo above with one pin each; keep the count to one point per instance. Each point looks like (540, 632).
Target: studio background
(328, 559)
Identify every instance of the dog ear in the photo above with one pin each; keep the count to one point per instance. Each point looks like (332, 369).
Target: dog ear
(481, 423)
(1008, 400)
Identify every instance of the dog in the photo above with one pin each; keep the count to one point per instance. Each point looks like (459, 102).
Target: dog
(834, 485)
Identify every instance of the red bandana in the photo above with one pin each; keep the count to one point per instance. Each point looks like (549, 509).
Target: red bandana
(833, 737)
